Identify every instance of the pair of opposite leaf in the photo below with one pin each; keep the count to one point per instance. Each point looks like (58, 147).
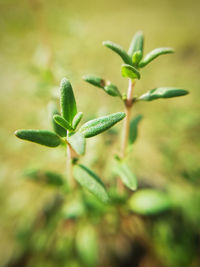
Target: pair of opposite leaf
(133, 61)
(65, 125)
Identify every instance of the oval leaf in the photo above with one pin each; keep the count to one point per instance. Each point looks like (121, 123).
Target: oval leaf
(136, 43)
(56, 128)
(133, 132)
(99, 125)
(112, 90)
(94, 80)
(162, 92)
(45, 177)
(42, 137)
(89, 180)
(149, 202)
(77, 119)
(154, 54)
(126, 175)
(62, 122)
(119, 50)
(130, 72)
(137, 56)
(77, 142)
(107, 86)
(67, 101)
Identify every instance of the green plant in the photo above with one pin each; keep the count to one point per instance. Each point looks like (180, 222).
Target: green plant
(66, 132)
(111, 199)
(134, 61)
(65, 125)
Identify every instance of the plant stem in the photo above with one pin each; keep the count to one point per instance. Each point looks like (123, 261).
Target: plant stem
(70, 178)
(128, 106)
(125, 134)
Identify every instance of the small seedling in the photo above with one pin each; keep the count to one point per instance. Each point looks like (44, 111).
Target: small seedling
(84, 209)
(133, 62)
(67, 132)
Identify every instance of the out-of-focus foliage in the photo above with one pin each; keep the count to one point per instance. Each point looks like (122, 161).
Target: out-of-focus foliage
(42, 224)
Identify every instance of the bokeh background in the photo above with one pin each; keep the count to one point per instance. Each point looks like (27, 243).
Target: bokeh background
(43, 41)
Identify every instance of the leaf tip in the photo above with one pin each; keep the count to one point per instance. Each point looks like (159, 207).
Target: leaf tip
(55, 116)
(84, 77)
(64, 82)
(123, 114)
(104, 43)
(171, 50)
(16, 133)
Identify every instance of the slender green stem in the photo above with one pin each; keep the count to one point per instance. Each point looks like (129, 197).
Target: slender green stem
(125, 130)
(126, 126)
(70, 178)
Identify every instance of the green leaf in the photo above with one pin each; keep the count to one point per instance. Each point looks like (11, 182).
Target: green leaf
(45, 177)
(154, 54)
(149, 202)
(77, 119)
(67, 101)
(119, 50)
(112, 90)
(99, 125)
(126, 175)
(56, 128)
(53, 178)
(87, 245)
(130, 72)
(89, 180)
(62, 122)
(107, 86)
(136, 58)
(133, 132)
(93, 204)
(136, 43)
(94, 80)
(77, 142)
(162, 92)
(42, 137)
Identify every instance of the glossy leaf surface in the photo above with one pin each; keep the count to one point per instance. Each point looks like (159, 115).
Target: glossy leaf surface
(149, 202)
(154, 54)
(129, 71)
(119, 50)
(67, 101)
(162, 92)
(89, 180)
(99, 125)
(42, 137)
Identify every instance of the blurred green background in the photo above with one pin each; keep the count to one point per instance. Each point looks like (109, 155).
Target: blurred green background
(43, 41)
